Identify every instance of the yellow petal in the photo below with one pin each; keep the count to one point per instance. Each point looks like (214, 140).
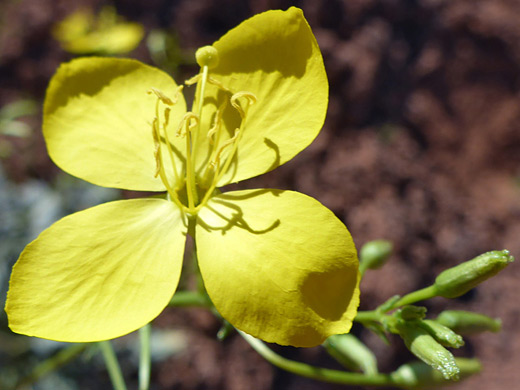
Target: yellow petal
(275, 56)
(278, 265)
(118, 39)
(98, 121)
(98, 274)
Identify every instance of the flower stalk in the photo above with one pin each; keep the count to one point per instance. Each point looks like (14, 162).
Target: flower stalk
(114, 370)
(145, 358)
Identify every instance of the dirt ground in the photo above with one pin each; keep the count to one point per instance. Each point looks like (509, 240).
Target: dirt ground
(421, 146)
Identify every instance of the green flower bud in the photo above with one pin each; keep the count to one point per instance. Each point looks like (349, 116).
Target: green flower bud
(467, 322)
(411, 312)
(348, 350)
(425, 347)
(374, 254)
(417, 375)
(460, 279)
(444, 335)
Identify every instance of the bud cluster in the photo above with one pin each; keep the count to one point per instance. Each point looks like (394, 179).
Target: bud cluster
(427, 339)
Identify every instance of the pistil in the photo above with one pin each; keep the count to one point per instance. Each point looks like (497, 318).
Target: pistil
(190, 127)
(190, 173)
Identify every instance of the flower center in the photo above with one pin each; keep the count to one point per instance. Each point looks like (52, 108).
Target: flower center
(193, 183)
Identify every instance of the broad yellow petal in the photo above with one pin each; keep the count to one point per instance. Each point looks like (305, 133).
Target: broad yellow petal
(98, 274)
(98, 121)
(278, 265)
(118, 39)
(273, 55)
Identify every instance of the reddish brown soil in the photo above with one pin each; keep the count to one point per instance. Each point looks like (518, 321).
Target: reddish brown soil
(421, 146)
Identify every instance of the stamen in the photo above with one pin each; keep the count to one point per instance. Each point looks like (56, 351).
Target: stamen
(167, 111)
(169, 146)
(218, 122)
(186, 125)
(165, 99)
(162, 97)
(251, 99)
(157, 148)
(220, 170)
(193, 79)
(216, 161)
(218, 84)
(156, 134)
(158, 154)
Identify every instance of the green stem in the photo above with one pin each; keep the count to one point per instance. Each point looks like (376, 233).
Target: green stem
(189, 298)
(56, 361)
(416, 296)
(368, 316)
(318, 373)
(145, 357)
(114, 371)
(363, 266)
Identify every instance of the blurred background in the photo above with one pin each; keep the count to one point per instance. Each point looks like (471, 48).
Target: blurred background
(421, 146)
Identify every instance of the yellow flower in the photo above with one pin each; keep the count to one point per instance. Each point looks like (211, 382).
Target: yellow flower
(82, 32)
(276, 264)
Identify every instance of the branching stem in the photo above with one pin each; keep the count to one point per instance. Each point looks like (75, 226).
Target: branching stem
(318, 373)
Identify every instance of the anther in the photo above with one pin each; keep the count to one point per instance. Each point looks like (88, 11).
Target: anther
(192, 80)
(251, 99)
(186, 123)
(218, 121)
(157, 148)
(165, 99)
(167, 111)
(218, 84)
(162, 97)
(216, 161)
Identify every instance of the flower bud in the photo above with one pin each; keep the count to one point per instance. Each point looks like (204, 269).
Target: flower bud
(458, 280)
(425, 347)
(467, 322)
(418, 375)
(348, 350)
(374, 254)
(411, 312)
(444, 335)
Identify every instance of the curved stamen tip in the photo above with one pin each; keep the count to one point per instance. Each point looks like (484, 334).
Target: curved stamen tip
(161, 96)
(251, 99)
(186, 124)
(207, 56)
